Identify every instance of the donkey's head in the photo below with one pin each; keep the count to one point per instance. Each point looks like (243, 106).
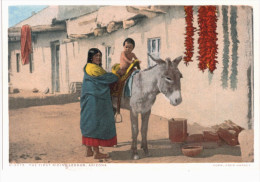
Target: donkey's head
(169, 80)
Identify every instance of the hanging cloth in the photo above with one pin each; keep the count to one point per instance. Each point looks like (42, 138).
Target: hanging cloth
(26, 43)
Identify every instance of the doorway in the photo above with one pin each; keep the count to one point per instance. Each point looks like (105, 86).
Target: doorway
(55, 66)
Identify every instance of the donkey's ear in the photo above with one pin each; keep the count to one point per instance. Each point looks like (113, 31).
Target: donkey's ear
(177, 60)
(168, 62)
(158, 61)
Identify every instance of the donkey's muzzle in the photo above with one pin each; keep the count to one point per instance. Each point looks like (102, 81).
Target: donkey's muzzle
(175, 98)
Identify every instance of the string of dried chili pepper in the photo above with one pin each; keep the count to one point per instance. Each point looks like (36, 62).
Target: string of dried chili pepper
(189, 40)
(207, 21)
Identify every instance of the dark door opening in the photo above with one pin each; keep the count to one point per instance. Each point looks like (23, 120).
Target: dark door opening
(55, 66)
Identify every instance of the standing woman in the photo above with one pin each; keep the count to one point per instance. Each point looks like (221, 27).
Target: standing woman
(97, 122)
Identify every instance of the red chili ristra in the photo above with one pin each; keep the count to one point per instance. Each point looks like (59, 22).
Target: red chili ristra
(207, 20)
(189, 40)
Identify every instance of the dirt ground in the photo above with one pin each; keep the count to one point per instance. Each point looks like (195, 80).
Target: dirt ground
(51, 134)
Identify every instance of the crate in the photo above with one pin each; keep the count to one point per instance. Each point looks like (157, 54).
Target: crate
(75, 87)
(177, 130)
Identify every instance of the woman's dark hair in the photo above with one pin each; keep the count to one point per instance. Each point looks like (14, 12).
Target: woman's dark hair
(91, 53)
(129, 40)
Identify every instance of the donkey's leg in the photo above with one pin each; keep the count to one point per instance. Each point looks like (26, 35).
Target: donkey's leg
(144, 129)
(134, 126)
(114, 110)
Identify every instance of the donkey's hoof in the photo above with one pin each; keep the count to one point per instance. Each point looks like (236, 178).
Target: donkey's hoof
(147, 154)
(136, 157)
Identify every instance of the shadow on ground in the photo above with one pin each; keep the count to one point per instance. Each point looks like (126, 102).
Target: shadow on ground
(23, 102)
(164, 148)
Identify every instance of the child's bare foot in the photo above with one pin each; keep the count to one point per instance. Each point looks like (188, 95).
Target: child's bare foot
(101, 156)
(89, 152)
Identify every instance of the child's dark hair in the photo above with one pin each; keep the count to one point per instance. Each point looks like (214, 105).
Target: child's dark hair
(129, 40)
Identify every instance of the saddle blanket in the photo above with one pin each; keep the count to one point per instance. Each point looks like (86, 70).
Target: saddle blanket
(128, 84)
(117, 88)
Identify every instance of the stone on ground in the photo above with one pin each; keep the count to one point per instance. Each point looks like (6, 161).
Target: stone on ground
(246, 140)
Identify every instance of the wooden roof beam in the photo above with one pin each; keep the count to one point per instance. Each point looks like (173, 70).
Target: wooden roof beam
(113, 26)
(128, 23)
(40, 28)
(100, 31)
(78, 36)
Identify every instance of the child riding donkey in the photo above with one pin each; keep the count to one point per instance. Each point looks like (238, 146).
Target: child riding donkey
(128, 61)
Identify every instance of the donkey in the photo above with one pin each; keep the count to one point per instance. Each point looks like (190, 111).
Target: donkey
(164, 77)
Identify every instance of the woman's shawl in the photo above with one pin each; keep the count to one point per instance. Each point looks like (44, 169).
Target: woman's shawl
(97, 116)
